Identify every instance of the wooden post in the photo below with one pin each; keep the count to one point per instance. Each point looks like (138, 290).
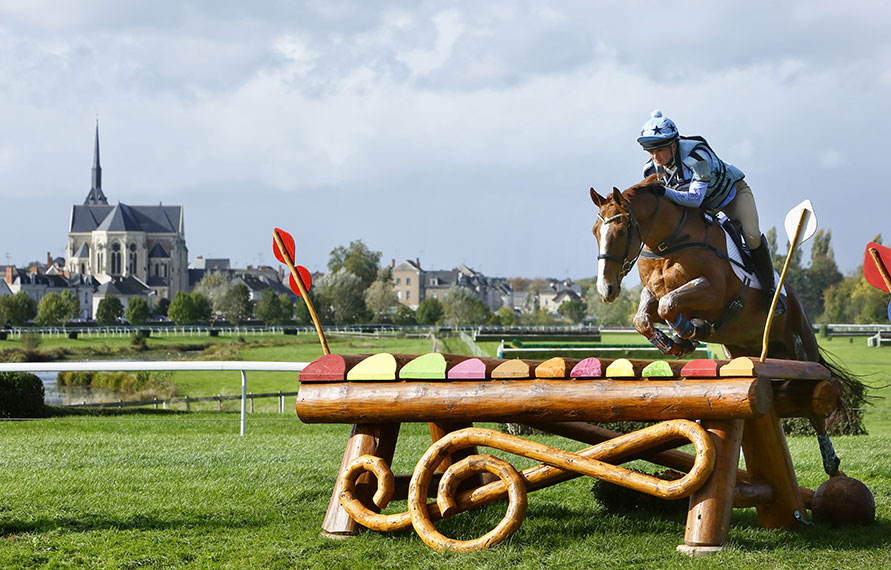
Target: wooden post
(768, 461)
(708, 517)
(365, 439)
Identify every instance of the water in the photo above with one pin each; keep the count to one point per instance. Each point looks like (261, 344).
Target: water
(55, 395)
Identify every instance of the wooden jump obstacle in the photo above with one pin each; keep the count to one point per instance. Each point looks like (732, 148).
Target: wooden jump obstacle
(738, 405)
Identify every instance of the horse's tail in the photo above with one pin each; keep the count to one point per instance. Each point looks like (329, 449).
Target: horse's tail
(848, 417)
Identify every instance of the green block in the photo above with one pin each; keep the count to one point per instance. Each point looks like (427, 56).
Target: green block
(431, 366)
(657, 368)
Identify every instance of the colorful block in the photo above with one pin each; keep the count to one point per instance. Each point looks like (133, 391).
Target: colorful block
(380, 366)
(742, 366)
(620, 368)
(430, 366)
(470, 369)
(657, 369)
(702, 368)
(587, 368)
(557, 367)
(514, 368)
(330, 368)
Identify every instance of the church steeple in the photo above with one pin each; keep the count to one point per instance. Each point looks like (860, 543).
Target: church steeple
(96, 196)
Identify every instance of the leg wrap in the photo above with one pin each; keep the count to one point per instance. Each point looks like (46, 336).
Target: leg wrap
(683, 326)
(830, 459)
(660, 341)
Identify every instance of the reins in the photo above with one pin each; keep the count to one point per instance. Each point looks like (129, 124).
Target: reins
(627, 264)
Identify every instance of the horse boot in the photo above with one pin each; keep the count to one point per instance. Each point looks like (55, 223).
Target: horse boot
(764, 269)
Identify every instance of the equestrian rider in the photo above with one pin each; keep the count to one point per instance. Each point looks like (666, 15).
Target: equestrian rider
(694, 176)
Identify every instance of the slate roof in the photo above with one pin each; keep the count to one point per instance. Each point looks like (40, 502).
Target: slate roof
(158, 251)
(123, 286)
(83, 250)
(121, 217)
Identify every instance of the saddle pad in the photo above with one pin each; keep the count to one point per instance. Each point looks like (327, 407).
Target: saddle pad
(748, 279)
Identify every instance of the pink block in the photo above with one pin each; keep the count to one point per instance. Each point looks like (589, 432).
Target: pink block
(587, 368)
(470, 369)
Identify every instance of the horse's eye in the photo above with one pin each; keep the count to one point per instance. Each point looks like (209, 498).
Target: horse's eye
(620, 233)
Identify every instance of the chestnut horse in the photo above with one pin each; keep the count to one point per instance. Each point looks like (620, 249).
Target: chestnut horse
(688, 283)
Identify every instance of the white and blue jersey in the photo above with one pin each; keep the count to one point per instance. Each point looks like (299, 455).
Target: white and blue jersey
(697, 177)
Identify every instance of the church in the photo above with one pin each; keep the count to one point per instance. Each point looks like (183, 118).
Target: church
(119, 244)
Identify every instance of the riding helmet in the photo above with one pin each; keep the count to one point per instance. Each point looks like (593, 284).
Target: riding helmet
(659, 131)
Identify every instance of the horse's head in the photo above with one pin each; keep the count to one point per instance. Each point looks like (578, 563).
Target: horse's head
(619, 240)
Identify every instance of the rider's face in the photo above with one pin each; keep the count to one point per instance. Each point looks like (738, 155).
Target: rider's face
(662, 156)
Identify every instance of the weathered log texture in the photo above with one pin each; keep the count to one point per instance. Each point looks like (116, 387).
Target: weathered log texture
(708, 518)
(367, 439)
(768, 461)
(805, 398)
(532, 400)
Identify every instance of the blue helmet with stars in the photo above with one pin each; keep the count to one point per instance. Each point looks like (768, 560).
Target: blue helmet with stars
(659, 131)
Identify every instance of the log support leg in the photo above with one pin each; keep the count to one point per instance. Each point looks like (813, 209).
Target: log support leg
(365, 439)
(768, 461)
(708, 517)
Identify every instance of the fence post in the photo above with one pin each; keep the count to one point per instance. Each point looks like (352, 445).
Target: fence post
(251, 396)
(243, 401)
(188, 405)
(281, 402)
(220, 396)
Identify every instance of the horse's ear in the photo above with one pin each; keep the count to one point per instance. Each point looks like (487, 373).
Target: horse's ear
(596, 198)
(620, 200)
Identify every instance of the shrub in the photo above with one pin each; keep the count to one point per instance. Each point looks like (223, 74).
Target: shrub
(21, 395)
(30, 341)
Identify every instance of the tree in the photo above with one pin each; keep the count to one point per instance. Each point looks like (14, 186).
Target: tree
(618, 313)
(404, 316)
(17, 309)
(186, 309)
(506, 316)
(235, 304)
(162, 307)
(341, 295)
(213, 286)
(274, 309)
(57, 308)
(356, 259)
(137, 311)
(429, 311)
(380, 297)
(820, 275)
(109, 311)
(575, 310)
(462, 307)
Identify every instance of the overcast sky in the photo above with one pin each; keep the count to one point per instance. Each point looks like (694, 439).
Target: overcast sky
(454, 132)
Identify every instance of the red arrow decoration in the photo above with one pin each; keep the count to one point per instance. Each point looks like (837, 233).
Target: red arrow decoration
(304, 276)
(288, 242)
(876, 262)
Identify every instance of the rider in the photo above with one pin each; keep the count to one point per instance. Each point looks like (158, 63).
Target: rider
(694, 176)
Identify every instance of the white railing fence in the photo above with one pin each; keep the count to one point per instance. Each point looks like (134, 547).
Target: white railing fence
(139, 366)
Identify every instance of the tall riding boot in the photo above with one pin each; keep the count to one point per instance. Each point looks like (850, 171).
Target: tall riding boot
(764, 269)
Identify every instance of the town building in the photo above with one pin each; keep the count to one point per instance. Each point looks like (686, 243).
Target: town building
(413, 284)
(114, 242)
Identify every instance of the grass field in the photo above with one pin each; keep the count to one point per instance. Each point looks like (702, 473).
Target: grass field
(177, 490)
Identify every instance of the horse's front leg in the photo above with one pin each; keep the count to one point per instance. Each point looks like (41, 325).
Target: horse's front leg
(647, 314)
(690, 297)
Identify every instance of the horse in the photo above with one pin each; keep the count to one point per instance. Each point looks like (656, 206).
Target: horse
(688, 284)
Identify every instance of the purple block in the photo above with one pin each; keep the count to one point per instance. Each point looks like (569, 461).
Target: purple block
(470, 369)
(587, 368)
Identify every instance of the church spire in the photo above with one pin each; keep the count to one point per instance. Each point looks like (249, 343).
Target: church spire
(96, 196)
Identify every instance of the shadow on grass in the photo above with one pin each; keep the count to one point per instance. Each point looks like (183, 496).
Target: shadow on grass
(91, 523)
(61, 412)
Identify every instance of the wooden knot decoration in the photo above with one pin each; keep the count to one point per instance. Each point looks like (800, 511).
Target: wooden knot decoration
(557, 465)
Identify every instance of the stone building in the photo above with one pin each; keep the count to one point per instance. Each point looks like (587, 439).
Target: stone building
(113, 242)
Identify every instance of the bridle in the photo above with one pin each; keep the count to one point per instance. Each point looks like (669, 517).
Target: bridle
(627, 264)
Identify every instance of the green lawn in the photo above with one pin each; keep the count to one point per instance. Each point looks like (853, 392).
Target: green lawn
(176, 490)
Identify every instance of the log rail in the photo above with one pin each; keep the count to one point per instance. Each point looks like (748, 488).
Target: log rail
(736, 404)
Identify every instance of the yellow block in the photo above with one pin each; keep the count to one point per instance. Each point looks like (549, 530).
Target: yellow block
(742, 366)
(621, 368)
(380, 366)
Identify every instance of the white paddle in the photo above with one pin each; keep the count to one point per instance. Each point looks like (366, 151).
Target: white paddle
(801, 224)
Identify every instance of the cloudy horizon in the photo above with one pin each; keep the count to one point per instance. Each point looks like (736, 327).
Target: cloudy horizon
(453, 132)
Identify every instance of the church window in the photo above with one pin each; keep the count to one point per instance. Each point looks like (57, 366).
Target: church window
(116, 259)
(131, 261)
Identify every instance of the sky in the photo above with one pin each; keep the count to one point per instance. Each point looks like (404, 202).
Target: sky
(450, 132)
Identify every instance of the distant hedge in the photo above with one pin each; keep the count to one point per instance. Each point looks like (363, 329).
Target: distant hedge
(21, 395)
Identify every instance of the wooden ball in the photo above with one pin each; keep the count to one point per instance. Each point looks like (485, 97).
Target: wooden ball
(843, 501)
